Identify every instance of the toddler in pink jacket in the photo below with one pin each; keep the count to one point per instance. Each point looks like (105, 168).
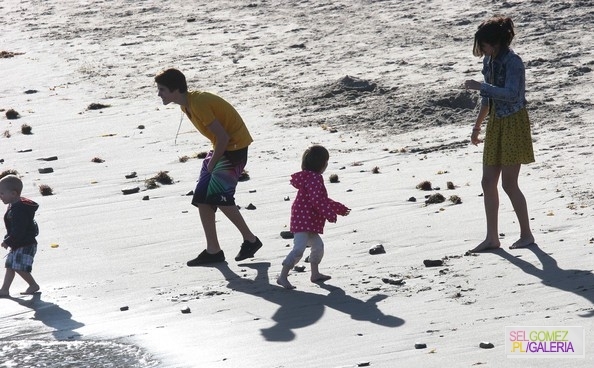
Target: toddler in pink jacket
(309, 212)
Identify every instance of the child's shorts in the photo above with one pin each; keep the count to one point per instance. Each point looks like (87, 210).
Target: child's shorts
(218, 188)
(508, 140)
(21, 259)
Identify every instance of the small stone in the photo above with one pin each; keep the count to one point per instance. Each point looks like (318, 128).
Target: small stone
(286, 235)
(363, 364)
(124, 308)
(420, 345)
(51, 158)
(130, 190)
(11, 114)
(252, 191)
(186, 310)
(250, 207)
(287, 199)
(377, 249)
(393, 281)
(45, 170)
(486, 345)
(299, 268)
(433, 262)
(145, 198)
(132, 175)
(412, 199)
(306, 260)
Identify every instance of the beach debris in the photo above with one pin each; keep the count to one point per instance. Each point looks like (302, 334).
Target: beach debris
(97, 106)
(186, 310)
(45, 170)
(486, 345)
(244, 176)
(145, 198)
(97, 160)
(433, 262)
(31, 91)
(377, 249)
(141, 127)
(252, 191)
(161, 177)
(286, 199)
(334, 178)
(450, 185)
(124, 308)
(50, 158)
(184, 158)
(420, 345)
(45, 190)
(202, 155)
(424, 185)
(132, 175)
(363, 364)
(133, 190)
(390, 281)
(54, 245)
(26, 129)
(191, 20)
(250, 207)
(286, 235)
(11, 114)
(455, 199)
(299, 268)
(435, 198)
(375, 170)
(412, 199)
(25, 150)
(306, 260)
(9, 54)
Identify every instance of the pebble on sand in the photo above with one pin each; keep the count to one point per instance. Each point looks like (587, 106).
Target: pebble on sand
(377, 249)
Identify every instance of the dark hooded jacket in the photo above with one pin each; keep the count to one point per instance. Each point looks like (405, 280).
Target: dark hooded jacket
(20, 224)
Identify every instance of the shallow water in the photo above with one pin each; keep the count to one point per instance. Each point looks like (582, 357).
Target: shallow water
(62, 354)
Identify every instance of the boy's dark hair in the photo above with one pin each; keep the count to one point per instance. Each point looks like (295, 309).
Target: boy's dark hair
(494, 31)
(315, 158)
(172, 79)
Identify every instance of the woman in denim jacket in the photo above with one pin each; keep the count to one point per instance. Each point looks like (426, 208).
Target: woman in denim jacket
(508, 142)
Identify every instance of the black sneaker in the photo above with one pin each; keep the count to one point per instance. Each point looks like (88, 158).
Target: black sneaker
(206, 258)
(248, 250)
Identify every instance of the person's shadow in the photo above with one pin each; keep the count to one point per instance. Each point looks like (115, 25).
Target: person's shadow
(53, 316)
(298, 309)
(579, 282)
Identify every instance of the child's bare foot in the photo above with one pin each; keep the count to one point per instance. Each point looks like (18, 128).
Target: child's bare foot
(523, 243)
(485, 245)
(320, 278)
(284, 282)
(31, 290)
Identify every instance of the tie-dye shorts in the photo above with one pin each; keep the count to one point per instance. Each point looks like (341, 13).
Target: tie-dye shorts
(218, 188)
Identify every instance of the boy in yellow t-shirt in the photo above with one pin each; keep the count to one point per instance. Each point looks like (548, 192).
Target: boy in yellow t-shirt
(218, 121)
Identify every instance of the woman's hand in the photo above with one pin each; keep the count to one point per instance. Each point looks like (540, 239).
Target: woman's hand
(474, 138)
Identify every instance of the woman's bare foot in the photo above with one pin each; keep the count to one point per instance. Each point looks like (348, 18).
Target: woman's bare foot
(485, 245)
(522, 243)
(31, 290)
(284, 282)
(319, 278)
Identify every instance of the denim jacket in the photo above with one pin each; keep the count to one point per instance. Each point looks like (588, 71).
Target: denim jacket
(505, 84)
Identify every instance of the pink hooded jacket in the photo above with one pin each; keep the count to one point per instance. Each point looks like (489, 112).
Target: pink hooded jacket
(312, 207)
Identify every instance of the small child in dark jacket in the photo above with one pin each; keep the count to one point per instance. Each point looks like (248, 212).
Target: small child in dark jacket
(21, 231)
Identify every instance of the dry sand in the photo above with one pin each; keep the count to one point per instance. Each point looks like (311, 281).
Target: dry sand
(377, 82)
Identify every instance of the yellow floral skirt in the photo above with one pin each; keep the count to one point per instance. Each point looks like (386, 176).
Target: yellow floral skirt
(508, 140)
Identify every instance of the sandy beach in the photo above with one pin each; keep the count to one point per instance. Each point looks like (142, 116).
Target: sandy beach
(376, 82)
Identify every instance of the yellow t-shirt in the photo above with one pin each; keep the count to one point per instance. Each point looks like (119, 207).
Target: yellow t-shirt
(205, 107)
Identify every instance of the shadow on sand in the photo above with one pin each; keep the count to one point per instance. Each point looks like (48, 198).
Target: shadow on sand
(298, 309)
(579, 282)
(51, 315)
